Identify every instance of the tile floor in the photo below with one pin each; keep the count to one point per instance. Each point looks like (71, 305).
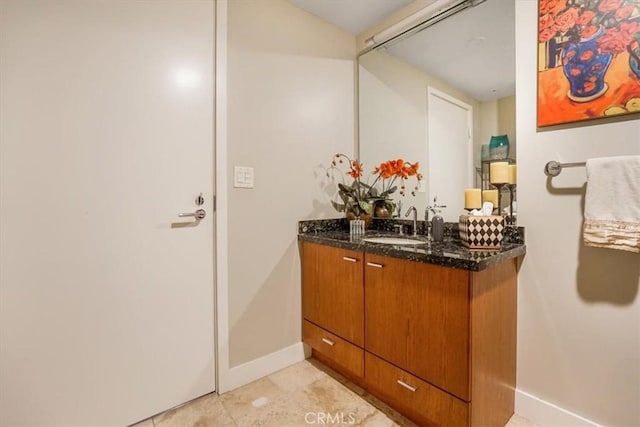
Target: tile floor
(304, 394)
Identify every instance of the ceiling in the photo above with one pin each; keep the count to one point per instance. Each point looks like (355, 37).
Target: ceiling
(473, 50)
(353, 16)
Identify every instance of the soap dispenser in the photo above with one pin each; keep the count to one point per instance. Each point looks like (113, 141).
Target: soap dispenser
(437, 222)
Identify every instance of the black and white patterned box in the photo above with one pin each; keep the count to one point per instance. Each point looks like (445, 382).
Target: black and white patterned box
(481, 232)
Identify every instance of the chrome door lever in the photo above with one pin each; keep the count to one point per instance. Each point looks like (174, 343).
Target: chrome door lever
(198, 215)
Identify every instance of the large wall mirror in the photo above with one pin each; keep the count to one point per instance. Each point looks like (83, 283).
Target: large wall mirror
(437, 96)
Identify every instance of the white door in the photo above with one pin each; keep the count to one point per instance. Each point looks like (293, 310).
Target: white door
(450, 151)
(106, 134)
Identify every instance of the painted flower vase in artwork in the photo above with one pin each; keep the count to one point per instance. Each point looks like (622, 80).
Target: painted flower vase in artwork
(585, 67)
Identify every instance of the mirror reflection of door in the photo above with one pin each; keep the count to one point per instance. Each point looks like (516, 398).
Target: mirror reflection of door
(450, 148)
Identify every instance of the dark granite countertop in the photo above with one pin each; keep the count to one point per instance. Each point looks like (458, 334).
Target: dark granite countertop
(449, 253)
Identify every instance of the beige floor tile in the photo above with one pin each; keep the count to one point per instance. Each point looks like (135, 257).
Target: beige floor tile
(334, 396)
(324, 402)
(391, 413)
(251, 397)
(518, 421)
(338, 377)
(377, 419)
(303, 394)
(297, 376)
(146, 423)
(204, 412)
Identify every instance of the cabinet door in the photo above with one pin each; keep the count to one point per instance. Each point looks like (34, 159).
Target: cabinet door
(417, 317)
(333, 290)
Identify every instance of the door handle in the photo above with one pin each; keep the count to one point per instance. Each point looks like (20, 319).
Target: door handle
(198, 215)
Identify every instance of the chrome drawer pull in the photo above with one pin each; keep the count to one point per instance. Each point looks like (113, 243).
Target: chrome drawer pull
(346, 258)
(328, 341)
(407, 386)
(373, 264)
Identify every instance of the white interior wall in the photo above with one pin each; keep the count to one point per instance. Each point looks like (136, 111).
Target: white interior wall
(290, 108)
(498, 117)
(578, 307)
(488, 127)
(507, 123)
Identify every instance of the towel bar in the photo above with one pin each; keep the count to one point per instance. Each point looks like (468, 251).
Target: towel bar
(554, 168)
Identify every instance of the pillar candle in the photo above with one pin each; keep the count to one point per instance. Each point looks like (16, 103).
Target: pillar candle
(490, 196)
(499, 173)
(513, 174)
(472, 198)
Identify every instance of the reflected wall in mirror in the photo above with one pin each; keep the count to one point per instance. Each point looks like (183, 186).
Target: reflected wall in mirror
(437, 96)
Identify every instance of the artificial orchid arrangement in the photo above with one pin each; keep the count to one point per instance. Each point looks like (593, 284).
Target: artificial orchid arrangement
(360, 197)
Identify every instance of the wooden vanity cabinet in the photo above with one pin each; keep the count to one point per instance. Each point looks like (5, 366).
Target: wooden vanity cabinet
(437, 343)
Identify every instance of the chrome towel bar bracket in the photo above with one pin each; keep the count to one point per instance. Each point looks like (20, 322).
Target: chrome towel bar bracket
(554, 168)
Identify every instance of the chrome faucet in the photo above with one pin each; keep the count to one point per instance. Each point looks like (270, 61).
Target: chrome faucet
(415, 219)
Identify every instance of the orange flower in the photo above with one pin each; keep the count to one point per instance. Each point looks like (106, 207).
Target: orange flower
(588, 31)
(356, 169)
(589, 86)
(546, 35)
(545, 21)
(609, 5)
(585, 17)
(616, 40)
(552, 6)
(624, 12)
(587, 55)
(566, 20)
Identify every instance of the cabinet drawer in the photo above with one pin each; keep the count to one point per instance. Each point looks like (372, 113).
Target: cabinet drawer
(418, 399)
(343, 353)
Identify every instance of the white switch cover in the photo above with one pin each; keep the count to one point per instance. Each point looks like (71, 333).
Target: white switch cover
(422, 187)
(243, 177)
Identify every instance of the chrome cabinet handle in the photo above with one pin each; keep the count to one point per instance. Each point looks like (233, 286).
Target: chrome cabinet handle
(328, 341)
(407, 386)
(376, 265)
(346, 258)
(198, 215)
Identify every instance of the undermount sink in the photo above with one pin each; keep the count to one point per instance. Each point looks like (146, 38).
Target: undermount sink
(394, 240)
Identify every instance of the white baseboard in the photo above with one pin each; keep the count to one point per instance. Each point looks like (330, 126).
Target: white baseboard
(546, 414)
(263, 366)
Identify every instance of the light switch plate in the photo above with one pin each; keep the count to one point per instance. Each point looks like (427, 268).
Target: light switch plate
(243, 177)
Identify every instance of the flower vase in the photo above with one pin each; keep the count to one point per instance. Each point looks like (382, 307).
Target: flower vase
(383, 209)
(585, 67)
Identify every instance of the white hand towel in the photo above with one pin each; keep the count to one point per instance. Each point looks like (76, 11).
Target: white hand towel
(612, 203)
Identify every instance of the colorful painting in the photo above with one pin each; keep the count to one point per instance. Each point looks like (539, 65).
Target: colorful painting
(588, 59)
